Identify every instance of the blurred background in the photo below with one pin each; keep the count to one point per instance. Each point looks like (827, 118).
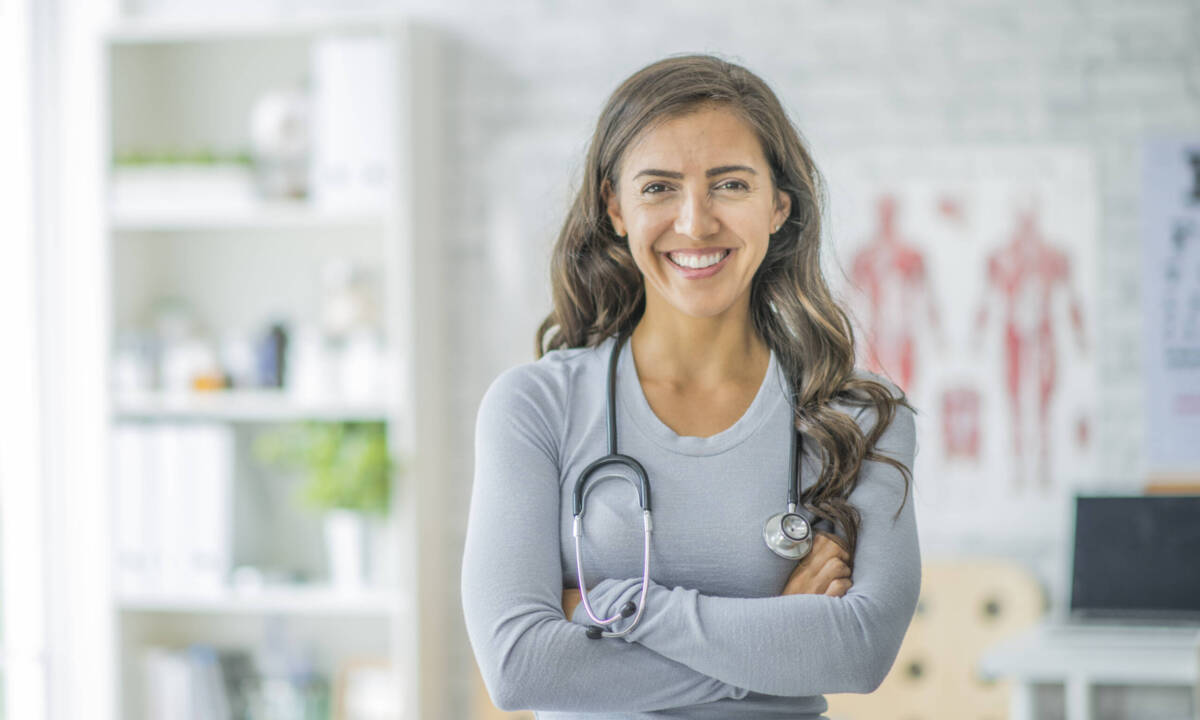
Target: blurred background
(261, 259)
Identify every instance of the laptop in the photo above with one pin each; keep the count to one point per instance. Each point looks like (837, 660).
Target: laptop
(1136, 560)
(1134, 611)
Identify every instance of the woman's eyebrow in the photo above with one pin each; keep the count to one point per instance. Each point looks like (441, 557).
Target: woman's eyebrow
(728, 169)
(675, 175)
(660, 173)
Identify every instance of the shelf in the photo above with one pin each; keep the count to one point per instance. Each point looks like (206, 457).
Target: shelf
(267, 216)
(276, 601)
(152, 31)
(243, 406)
(197, 231)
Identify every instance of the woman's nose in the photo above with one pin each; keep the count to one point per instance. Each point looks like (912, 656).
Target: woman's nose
(695, 218)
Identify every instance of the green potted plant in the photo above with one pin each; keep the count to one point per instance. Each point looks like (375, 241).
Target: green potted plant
(347, 476)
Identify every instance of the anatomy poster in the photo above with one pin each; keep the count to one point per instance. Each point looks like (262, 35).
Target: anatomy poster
(1171, 303)
(970, 276)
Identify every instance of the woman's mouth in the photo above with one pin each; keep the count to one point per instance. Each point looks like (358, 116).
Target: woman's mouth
(699, 263)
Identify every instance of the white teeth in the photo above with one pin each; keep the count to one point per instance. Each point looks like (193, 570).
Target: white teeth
(697, 261)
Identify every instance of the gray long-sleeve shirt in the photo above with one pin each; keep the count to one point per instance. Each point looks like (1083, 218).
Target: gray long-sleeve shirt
(716, 640)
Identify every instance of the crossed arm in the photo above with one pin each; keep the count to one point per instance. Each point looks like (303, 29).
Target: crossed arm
(692, 648)
(838, 644)
(529, 654)
(824, 571)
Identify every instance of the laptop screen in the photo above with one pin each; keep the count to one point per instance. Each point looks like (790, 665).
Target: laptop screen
(1137, 557)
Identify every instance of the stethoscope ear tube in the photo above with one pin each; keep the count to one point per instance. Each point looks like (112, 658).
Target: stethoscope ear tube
(595, 632)
(642, 484)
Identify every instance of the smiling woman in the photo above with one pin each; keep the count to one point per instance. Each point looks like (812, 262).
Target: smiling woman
(690, 313)
(708, 217)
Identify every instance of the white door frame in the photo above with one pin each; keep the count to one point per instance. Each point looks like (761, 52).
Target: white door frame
(22, 536)
(57, 609)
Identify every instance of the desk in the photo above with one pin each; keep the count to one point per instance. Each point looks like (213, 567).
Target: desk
(1080, 657)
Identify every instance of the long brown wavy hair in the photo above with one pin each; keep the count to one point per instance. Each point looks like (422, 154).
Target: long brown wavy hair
(598, 290)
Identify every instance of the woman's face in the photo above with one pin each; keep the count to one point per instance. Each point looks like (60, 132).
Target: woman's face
(696, 201)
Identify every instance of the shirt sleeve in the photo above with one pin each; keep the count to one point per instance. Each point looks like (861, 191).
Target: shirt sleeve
(530, 656)
(801, 644)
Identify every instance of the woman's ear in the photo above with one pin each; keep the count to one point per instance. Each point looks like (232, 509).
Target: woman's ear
(612, 206)
(783, 208)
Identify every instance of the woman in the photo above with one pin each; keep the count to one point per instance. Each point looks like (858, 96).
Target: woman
(692, 251)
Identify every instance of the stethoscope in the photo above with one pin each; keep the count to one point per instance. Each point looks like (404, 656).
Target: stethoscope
(788, 534)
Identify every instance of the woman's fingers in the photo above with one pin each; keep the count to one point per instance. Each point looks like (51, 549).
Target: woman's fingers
(571, 599)
(826, 545)
(838, 587)
(833, 569)
(827, 562)
(814, 578)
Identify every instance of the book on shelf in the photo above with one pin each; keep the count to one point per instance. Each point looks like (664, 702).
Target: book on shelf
(188, 684)
(173, 507)
(353, 120)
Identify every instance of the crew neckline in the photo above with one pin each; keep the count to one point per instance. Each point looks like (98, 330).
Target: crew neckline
(632, 402)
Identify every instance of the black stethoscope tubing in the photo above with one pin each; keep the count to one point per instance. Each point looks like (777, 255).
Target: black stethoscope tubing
(597, 631)
(797, 547)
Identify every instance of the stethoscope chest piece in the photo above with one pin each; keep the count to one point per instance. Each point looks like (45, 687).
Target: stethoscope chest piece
(789, 535)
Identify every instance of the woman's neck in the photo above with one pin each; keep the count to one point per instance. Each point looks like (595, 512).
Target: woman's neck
(689, 352)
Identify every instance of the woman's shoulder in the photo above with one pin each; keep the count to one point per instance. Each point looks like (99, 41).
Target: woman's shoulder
(864, 413)
(554, 370)
(861, 373)
(901, 428)
(544, 384)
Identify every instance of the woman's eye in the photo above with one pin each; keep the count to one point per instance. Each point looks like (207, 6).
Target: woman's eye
(654, 187)
(733, 185)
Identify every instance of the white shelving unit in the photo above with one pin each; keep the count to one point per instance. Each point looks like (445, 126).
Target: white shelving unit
(187, 84)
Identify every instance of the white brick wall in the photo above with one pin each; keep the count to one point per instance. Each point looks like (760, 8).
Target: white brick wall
(527, 78)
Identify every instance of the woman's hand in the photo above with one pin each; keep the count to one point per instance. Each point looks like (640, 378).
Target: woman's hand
(571, 599)
(824, 571)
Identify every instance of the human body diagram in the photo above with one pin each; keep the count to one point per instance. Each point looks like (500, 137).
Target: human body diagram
(891, 273)
(1022, 280)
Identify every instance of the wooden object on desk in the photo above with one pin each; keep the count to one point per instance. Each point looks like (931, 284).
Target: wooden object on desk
(966, 606)
(1173, 484)
(364, 687)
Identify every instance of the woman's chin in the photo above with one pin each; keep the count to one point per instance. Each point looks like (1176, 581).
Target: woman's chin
(701, 308)
(696, 303)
